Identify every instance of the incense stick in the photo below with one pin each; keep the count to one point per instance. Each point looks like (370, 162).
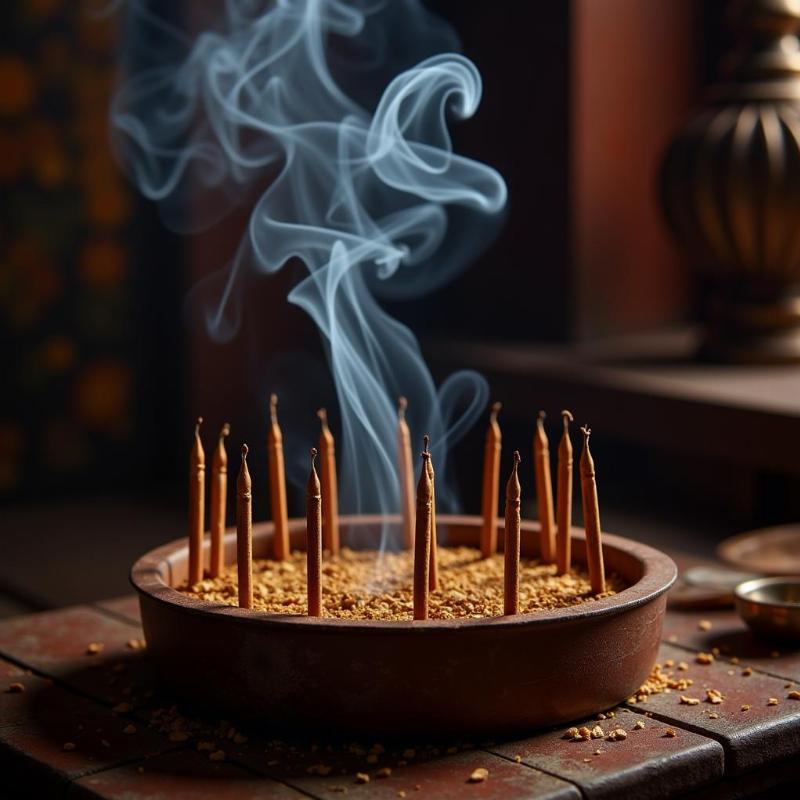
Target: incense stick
(197, 500)
(591, 517)
(564, 499)
(405, 466)
(433, 569)
(219, 496)
(422, 541)
(544, 491)
(277, 483)
(314, 541)
(491, 483)
(244, 533)
(511, 542)
(330, 500)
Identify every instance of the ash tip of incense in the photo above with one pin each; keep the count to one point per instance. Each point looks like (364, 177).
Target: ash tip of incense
(323, 416)
(586, 431)
(273, 406)
(426, 440)
(197, 425)
(541, 416)
(402, 405)
(566, 415)
(517, 458)
(313, 453)
(226, 429)
(495, 410)
(245, 451)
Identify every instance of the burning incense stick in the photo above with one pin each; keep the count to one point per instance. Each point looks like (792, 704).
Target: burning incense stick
(564, 498)
(544, 491)
(197, 506)
(219, 496)
(277, 483)
(491, 483)
(433, 569)
(591, 517)
(405, 465)
(330, 500)
(314, 541)
(511, 542)
(422, 540)
(244, 533)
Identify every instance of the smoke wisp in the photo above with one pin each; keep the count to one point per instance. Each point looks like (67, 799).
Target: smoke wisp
(361, 185)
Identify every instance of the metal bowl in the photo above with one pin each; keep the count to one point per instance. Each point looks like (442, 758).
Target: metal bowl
(470, 677)
(771, 606)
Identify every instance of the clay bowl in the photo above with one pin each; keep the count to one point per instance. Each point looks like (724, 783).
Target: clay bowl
(481, 677)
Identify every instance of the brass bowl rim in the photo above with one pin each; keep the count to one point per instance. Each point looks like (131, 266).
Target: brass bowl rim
(743, 592)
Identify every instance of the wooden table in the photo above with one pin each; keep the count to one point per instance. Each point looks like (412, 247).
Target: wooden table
(93, 726)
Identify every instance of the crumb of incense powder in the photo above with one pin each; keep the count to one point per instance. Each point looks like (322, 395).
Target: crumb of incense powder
(365, 585)
(479, 775)
(662, 680)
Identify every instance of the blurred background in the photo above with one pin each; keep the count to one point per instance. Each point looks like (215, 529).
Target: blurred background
(583, 301)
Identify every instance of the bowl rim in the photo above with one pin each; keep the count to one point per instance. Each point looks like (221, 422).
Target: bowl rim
(658, 574)
(742, 591)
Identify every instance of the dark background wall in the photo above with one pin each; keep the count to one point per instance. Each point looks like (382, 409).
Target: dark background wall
(103, 371)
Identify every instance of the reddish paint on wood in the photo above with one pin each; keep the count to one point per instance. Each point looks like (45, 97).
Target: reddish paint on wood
(624, 768)
(751, 738)
(734, 639)
(126, 607)
(183, 775)
(55, 643)
(32, 751)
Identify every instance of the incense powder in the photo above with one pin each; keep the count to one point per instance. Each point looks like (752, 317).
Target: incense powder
(366, 585)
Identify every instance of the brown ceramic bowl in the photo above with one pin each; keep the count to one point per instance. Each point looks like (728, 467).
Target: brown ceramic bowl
(471, 677)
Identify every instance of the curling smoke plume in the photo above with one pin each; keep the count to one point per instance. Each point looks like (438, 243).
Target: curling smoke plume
(362, 187)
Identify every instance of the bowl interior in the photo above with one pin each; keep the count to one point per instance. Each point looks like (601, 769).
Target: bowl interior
(648, 572)
(771, 591)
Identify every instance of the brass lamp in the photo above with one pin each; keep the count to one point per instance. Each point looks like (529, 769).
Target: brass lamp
(730, 184)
